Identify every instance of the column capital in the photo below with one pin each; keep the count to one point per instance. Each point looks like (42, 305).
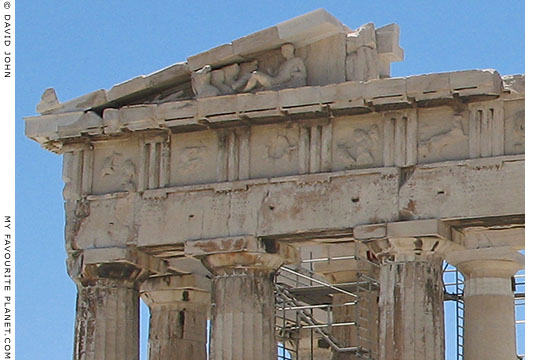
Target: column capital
(183, 290)
(224, 255)
(407, 240)
(502, 262)
(115, 263)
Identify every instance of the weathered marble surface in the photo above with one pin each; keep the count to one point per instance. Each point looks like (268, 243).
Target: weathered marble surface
(261, 151)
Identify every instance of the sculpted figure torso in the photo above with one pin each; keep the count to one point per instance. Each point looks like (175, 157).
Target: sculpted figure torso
(201, 83)
(292, 73)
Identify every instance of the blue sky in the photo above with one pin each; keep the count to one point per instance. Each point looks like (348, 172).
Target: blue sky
(80, 46)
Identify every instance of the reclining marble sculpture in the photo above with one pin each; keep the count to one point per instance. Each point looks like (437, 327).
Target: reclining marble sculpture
(229, 80)
(291, 73)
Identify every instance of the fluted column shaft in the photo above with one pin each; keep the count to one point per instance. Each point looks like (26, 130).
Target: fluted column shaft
(242, 313)
(411, 310)
(411, 295)
(489, 325)
(243, 318)
(176, 332)
(177, 318)
(242, 310)
(107, 319)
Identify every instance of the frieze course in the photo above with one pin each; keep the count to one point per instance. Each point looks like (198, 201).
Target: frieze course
(192, 114)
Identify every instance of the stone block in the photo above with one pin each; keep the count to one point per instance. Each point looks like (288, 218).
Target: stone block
(45, 128)
(345, 95)
(177, 282)
(49, 101)
(261, 40)
(386, 91)
(363, 36)
(169, 75)
(89, 123)
(429, 87)
(291, 98)
(270, 208)
(127, 88)
(198, 300)
(368, 232)
(327, 203)
(476, 82)
(224, 246)
(388, 42)
(84, 102)
(186, 264)
(350, 90)
(218, 105)
(328, 93)
(419, 228)
(263, 100)
(386, 88)
(470, 188)
(123, 255)
(310, 27)
(111, 121)
(321, 68)
(177, 110)
(139, 117)
(477, 237)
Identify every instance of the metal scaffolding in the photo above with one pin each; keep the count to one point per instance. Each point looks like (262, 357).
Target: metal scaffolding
(304, 303)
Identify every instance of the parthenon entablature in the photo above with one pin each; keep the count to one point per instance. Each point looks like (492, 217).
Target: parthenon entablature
(289, 143)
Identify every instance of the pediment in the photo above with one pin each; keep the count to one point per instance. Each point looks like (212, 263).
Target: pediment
(291, 54)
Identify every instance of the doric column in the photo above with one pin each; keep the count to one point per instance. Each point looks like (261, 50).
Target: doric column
(489, 324)
(178, 313)
(243, 312)
(353, 275)
(107, 319)
(411, 300)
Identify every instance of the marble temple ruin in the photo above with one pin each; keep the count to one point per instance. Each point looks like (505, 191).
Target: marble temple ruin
(285, 187)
